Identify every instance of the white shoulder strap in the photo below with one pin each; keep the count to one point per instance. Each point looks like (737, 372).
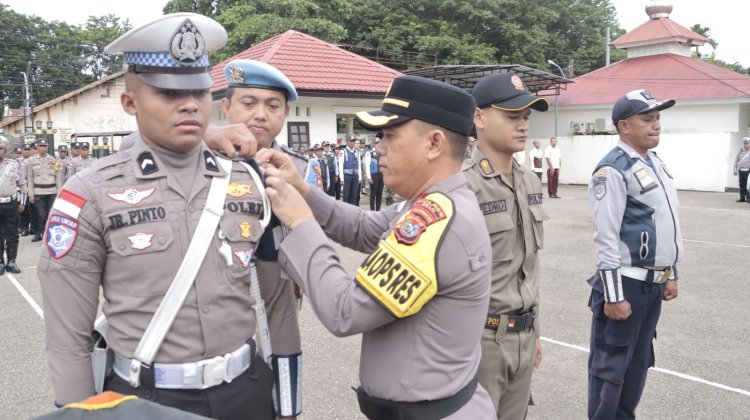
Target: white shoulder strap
(177, 293)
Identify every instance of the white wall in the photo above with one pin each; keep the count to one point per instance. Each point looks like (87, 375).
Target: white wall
(694, 166)
(322, 115)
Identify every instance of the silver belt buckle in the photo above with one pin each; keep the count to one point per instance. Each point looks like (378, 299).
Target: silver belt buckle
(664, 277)
(215, 371)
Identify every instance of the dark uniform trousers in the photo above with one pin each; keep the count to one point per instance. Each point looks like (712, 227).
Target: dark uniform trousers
(247, 397)
(622, 351)
(28, 220)
(334, 187)
(43, 205)
(351, 189)
(743, 184)
(9, 229)
(376, 191)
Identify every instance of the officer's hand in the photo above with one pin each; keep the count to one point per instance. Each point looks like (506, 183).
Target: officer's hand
(232, 139)
(670, 290)
(369, 180)
(269, 158)
(618, 311)
(31, 199)
(287, 203)
(537, 353)
(21, 208)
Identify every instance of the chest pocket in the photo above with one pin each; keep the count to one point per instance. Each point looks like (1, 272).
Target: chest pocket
(539, 216)
(140, 250)
(502, 235)
(241, 234)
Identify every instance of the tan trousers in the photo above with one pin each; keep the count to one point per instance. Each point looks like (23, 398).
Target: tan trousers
(505, 371)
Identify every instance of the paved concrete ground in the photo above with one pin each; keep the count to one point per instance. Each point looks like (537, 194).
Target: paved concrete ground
(705, 333)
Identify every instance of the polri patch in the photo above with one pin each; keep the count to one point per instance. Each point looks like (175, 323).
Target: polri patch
(62, 233)
(535, 198)
(132, 196)
(493, 207)
(422, 214)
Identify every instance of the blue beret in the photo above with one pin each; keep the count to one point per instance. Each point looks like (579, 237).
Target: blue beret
(252, 73)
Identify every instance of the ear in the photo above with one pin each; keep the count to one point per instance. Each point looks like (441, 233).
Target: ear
(225, 106)
(478, 118)
(437, 144)
(622, 126)
(127, 100)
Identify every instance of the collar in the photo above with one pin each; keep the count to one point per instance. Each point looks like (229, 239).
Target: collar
(632, 153)
(147, 165)
(449, 183)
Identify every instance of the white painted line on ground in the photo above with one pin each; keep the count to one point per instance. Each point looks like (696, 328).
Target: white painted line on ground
(26, 295)
(657, 369)
(738, 211)
(716, 243)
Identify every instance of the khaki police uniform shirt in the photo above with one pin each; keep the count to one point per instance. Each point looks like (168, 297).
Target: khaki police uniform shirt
(79, 164)
(41, 175)
(63, 173)
(514, 214)
(12, 180)
(429, 355)
(132, 232)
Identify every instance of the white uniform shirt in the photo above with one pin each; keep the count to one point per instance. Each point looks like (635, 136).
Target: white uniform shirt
(536, 154)
(553, 154)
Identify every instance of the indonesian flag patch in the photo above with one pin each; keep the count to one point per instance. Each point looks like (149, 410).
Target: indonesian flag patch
(61, 235)
(69, 203)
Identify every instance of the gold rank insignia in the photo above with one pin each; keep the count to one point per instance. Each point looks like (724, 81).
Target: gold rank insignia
(402, 276)
(238, 190)
(486, 167)
(245, 230)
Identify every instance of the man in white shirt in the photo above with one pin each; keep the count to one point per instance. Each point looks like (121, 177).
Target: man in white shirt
(536, 159)
(552, 155)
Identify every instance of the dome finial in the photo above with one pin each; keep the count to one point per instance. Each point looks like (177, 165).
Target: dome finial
(658, 9)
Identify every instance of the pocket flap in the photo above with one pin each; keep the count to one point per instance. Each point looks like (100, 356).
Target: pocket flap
(539, 214)
(499, 222)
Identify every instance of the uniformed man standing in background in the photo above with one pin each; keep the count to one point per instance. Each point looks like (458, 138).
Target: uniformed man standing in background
(12, 201)
(82, 162)
(64, 161)
(74, 147)
(126, 226)
(420, 297)
(374, 176)
(27, 220)
(42, 172)
(742, 167)
(510, 197)
(638, 244)
(350, 165)
(257, 100)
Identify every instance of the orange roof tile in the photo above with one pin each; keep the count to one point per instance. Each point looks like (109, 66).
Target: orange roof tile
(667, 76)
(657, 31)
(314, 66)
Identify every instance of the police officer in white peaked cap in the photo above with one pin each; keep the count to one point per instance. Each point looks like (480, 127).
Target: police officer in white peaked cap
(126, 225)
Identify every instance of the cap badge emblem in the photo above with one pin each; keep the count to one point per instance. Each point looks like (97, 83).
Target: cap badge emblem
(517, 82)
(647, 95)
(237, 74)
(187, 44)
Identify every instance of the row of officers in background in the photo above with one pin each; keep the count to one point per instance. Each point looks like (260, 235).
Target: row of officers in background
(29, 183)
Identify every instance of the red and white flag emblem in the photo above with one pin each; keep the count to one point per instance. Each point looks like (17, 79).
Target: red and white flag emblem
(69, 203)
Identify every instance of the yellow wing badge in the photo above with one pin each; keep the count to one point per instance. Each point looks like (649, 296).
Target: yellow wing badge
(401, 273)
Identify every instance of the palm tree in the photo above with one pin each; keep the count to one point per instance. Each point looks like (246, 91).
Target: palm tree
(704, 31)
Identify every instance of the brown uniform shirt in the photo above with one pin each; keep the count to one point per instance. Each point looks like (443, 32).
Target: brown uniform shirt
(78, 164)
(41, 175)
(429, 355)
(514, 215)
(133, 230)
(11, 178)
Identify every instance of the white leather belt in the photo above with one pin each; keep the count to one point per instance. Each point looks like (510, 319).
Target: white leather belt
(640, 273)
(197, 375)
(7, 199)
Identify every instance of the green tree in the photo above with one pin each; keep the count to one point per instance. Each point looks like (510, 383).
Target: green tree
(706, 32)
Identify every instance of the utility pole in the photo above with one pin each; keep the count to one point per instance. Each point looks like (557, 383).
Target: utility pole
(27, 107)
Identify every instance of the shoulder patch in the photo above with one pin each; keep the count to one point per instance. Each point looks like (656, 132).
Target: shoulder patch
(61, 235)
(401, 273)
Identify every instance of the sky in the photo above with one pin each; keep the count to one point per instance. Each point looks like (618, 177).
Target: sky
(725, 18)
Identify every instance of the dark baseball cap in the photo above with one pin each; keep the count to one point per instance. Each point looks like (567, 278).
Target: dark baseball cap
(507, 92)
(83, 145)
(412, 97)
(637, 102)
(75, 145)
(62, 148)
(41, 142)
(317, 146)
(17, 150)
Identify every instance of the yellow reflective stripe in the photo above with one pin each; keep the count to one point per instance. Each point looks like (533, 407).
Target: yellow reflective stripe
(375, 120)
(397, 102)
(101, 406)
(403, 277)
(523, 107)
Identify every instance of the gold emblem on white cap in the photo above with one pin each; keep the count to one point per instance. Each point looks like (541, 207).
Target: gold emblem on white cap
(187, 44)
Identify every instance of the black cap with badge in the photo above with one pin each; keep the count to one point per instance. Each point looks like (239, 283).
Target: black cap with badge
(506, 91)
(637, 102)
(412, 97)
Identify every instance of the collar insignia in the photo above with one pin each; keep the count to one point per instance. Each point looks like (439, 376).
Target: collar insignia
(210, 161)
(147, 164)
(486, 167)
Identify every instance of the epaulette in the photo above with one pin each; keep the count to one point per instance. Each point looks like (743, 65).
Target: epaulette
(467, 164)
(109, 167)
(291, 152)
